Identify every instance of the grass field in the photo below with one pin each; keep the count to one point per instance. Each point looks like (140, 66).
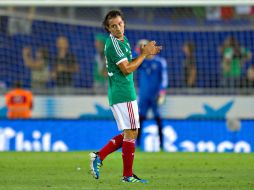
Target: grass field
(169, 171)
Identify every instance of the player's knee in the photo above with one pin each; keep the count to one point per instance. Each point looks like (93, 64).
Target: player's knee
(130, 133)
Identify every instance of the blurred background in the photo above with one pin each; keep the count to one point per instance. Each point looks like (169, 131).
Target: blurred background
(206, 28)
(209, 53)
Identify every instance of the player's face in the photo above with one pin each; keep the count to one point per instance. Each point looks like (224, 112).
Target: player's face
(116, 27)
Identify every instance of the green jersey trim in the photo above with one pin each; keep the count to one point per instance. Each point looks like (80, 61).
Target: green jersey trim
(116, 46)
(124, 59)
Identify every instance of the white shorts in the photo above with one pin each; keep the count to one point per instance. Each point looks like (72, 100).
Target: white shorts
(126, 115)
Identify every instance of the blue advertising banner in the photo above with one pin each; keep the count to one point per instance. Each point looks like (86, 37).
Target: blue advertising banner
(77, 135)
(200, 136)
(55, 135)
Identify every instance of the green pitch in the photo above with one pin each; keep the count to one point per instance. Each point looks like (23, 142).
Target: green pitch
(167, 171)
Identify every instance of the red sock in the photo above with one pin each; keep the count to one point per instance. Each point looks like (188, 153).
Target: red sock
(114, 144)
(128, 150)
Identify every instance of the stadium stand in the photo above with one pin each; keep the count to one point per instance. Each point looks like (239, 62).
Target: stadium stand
(175, 27)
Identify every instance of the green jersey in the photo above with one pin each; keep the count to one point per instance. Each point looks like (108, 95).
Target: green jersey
(121, 87)
(235, 65)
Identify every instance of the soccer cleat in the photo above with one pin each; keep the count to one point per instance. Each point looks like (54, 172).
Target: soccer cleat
(95, 164)
(134, 179)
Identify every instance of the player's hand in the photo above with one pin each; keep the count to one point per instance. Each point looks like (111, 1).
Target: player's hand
(161, 98)
(150, 48)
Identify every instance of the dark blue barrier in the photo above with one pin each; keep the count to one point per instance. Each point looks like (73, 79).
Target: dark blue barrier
(73, 135)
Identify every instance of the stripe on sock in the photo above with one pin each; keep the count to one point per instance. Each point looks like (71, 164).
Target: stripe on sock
(130, 140)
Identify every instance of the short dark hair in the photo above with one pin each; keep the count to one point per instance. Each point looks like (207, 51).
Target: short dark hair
(111, 14)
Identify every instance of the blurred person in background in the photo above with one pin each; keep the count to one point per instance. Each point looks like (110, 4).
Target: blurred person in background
(2, 85)
(64, 64)
(39, 67)
(19, 102)
(235, 57)
(152, 83)
(100, 71)
(18, 24)
(250, 76)
(121, 95)
(189, 65)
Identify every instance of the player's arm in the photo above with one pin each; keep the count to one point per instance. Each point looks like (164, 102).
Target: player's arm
(150, 49)
(164, 82)
(164, 75)
(128, 67)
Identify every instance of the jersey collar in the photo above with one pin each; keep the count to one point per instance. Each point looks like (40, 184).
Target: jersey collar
(116, 38)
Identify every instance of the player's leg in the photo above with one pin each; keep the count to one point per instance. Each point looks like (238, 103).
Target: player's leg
(143, 108)
(157, 117)
(159, 123)
(97, 157)
(130, 126)
(141, 121)
(114, 144)
(128, 150)
(95, 164)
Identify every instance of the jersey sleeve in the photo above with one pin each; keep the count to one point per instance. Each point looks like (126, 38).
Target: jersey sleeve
(115, 52)
(164, 74)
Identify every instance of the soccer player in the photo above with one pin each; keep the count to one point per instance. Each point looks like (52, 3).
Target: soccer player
(153, 71)
(121, 95)
(19, 102)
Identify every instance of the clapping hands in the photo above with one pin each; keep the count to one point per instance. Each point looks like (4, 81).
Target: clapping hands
(150, 48)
